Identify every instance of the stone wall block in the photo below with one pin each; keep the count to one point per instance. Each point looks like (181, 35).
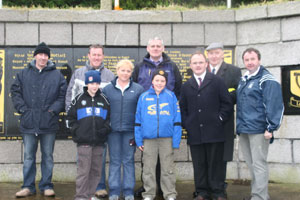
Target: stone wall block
(21, 34)
(184, 171)
(55, 15)
(148, 31)
(232, 170)
(290, 28)
(122, 34)
(208, 16)
(1, 33)
(273, 53)
(296, 149)
(220, 32)
(289, 128)
(280, 151)
(252, 13)
(11, 172)
(244, 171)
(284, 9)
(137, 155)
(11, 151)
(263, 31)
(64, 172)
(284, 173)
(188, 34)
(56, 33)
(181, 154)
(88, 33)
(13, 15)
(65, 151)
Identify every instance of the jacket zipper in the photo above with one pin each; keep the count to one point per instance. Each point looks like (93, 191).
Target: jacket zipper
(94, 126)
(121, 117)
(157, 113)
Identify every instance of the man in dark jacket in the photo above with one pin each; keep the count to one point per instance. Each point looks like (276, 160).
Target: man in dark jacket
(231, 76)
(205, 106)
(259, 113)
(143, 72)
(38, 95)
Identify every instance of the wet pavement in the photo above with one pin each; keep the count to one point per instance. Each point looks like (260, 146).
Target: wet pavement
(236, 191)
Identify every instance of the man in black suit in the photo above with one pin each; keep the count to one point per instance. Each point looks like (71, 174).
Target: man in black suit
(231, 76)
(205, 106)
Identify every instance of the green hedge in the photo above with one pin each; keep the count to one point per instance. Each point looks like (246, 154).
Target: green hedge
(125, 4)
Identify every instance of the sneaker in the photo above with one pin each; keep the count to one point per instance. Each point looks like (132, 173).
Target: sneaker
(171, 198)
(147, 198)
(25, 192)
(101, 193)
(114, 197)
(130, 197)
(49, 193)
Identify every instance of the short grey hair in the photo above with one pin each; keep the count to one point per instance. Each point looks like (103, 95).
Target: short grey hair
(156, 38)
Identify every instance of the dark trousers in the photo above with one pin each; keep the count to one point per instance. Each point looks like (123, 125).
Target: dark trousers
(208, 167)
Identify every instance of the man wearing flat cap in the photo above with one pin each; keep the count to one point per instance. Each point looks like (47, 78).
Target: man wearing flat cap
(38, 95)
(231, 76)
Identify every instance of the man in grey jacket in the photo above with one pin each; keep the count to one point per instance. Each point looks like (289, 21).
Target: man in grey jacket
(95, 62)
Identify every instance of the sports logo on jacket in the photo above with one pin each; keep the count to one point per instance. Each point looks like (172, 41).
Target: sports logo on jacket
(295, 87)
(152, 109)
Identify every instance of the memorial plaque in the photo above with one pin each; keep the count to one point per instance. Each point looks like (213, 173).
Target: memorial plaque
(13, 60)
(291, 89)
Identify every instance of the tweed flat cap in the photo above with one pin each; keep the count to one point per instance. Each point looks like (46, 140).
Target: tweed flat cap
(214, 45)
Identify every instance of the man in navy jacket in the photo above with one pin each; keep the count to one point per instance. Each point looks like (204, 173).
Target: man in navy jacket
(259, 113)
(38, 94)
(205, 105)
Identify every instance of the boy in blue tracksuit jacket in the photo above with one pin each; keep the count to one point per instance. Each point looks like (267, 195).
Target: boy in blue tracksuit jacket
(157, 132)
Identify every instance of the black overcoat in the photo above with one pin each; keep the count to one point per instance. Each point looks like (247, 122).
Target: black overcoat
(231, 76)
(204, 110)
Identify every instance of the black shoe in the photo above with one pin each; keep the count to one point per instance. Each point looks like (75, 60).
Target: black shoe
(139, 191)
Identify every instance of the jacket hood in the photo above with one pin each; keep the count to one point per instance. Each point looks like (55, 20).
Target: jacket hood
(87, 64)
(50, 65)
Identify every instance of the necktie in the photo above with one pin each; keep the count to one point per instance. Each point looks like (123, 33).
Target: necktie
(213, 71)
(200, 82)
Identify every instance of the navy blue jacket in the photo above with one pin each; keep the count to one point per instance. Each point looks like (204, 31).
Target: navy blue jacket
(39, 97)
(144, 70)
(88, 118)
(259, 104)
(204, 110)
(123, 106)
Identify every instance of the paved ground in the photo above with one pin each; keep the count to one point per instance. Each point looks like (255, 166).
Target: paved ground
(236, 191)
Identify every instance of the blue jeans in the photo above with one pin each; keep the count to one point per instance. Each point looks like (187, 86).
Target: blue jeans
(121, 153)
(102, 183)
(29, 168)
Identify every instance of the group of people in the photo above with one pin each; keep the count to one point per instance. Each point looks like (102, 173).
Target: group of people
(145, 107)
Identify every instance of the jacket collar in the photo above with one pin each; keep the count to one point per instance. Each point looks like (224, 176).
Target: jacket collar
(90, 67)
(50, 65)
(206, 81)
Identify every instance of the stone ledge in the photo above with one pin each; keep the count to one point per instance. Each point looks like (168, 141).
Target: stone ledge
(208, 16)
(13, 15)
(284, 9)
(259, 12)
(55, 15)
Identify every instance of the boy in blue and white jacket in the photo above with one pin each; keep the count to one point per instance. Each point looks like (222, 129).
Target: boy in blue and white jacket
(157, 132)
